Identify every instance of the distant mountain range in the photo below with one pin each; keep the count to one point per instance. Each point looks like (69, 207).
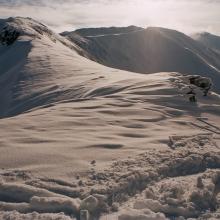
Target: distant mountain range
(39, 67)
(149, 50)
(209, 40)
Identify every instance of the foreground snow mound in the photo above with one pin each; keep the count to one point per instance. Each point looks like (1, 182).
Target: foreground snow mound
(187, 197)
(24, 198)
(181, 183)
(47, 69)
(137, 215)
(197, 141)
(32, 216)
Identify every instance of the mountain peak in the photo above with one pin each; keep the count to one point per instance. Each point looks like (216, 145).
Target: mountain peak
(13, 27)
(208, 39)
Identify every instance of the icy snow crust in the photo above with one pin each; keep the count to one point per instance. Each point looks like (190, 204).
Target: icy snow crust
(76, 135)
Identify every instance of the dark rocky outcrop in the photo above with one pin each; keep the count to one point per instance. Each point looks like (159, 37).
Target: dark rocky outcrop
(8, 36)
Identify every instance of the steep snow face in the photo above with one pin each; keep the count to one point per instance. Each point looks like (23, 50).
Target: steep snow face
(209, 40)
(39, 67)
(150, 50)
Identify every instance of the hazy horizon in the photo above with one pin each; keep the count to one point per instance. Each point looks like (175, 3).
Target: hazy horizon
(184, 15)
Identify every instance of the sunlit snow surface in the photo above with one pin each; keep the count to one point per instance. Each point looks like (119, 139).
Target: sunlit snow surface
(77, 135)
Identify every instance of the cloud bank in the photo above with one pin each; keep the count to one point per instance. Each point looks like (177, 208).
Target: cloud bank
(188, 16)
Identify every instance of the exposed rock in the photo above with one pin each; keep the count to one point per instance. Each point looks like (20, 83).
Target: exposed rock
(203, 83)
(90, 203)
(199, 182)
(8, 36)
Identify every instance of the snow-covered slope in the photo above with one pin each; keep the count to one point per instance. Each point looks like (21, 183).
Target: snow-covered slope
(85, 136)
(40, 68)
(88, 32)
(25, 74)
(209, 40)
(148, 51)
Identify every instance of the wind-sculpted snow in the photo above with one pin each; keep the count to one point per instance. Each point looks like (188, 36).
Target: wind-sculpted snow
(185, 196)
(199, 141)
(86, 139)
(36, 76)
(20, 193)
(184, 182)
(137, 215)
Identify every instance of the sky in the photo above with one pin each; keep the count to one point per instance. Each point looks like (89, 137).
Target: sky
(188, 16)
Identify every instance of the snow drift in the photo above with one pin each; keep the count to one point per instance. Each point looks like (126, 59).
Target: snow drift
(79, 136)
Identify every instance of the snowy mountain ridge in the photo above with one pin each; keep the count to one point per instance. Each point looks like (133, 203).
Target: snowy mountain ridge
(78, 138)
(149, 50)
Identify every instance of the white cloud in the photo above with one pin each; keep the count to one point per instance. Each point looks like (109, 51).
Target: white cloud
(184, 15)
